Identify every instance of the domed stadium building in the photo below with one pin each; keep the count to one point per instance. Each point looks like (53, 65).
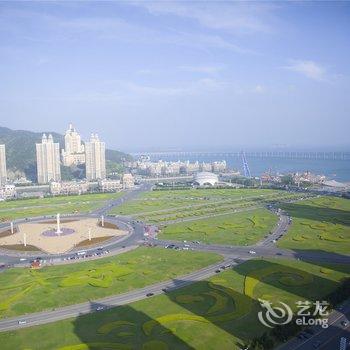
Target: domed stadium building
(205, 179)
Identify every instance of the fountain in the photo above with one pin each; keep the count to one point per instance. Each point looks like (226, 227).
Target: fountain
(102, 221)
(24, 239)
(11, 227)
(89, 233)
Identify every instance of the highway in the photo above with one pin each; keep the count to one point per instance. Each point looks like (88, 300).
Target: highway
(232, 255)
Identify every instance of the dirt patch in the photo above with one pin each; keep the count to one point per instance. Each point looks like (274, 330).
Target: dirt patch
(108, 225)
(8, 232)
(21, 247)
(94, 241)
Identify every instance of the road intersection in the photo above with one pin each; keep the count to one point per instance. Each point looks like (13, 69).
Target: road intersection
(232, 255)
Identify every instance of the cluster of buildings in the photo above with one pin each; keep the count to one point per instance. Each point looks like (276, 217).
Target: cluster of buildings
(81, 187)
(296, 178)
(92, 154)
(162, 168)
(308, 177)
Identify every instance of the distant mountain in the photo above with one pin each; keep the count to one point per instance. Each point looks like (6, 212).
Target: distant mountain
(20, 150)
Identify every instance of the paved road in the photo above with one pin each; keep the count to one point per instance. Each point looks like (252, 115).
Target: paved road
(232, 255)
(134, 238)
(324, 338)
(112, 301)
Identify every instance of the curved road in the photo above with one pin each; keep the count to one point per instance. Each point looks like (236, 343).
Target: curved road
(233, 255)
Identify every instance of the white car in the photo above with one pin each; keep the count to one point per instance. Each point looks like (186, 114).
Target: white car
(252, 252)
(99, 308)
(22, 322)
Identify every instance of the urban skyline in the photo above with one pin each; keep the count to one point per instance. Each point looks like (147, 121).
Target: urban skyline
(49, 157)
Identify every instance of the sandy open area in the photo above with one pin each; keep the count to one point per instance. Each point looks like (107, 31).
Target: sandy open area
(59, 244)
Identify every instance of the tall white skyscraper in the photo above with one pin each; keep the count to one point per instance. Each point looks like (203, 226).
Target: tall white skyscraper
(3, 171)
(48, 160)
(73, 152)
(95, 154)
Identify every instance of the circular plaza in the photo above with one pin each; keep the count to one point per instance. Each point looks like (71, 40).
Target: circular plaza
(59, 235)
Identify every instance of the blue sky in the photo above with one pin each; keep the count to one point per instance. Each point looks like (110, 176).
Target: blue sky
(179, 74)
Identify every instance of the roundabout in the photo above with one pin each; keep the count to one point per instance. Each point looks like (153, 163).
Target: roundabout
(61, 235)
(117, 280)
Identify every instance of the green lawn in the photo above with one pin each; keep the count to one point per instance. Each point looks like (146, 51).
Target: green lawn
(172, 205)
(48, 206)
(24, 290)
(219, 313)
(243, 228)
(319, 224)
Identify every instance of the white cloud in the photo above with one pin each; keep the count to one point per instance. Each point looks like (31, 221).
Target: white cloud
(309, 69)
(111, 28)
(230, 16)
(123, 91)
(192, 88)
(206, 69)
(259, 89)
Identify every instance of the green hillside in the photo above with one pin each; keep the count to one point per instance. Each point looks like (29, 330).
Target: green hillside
(20, 150)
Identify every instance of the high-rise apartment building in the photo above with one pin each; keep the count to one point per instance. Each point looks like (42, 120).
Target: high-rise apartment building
(73, 153)
(95, 158)
(48, 160)
(3, 171)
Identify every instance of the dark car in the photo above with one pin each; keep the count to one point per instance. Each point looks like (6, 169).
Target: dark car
(149, 294)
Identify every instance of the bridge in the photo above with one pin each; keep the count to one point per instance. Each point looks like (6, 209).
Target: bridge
(252, 154)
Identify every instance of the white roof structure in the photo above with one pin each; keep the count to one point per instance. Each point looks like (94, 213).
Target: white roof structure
(205, 178)
(333, 183)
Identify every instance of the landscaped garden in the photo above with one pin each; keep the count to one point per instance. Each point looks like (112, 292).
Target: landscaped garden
(244, 228)
(169, 206)
(15, 209)
(220, 313)
(319, 224)
(24, 291)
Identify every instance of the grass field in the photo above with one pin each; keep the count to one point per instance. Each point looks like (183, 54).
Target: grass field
(48, 206)
(24, 290)
(170, 206)
(234, 229)
(220, 313)
(319, 224)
